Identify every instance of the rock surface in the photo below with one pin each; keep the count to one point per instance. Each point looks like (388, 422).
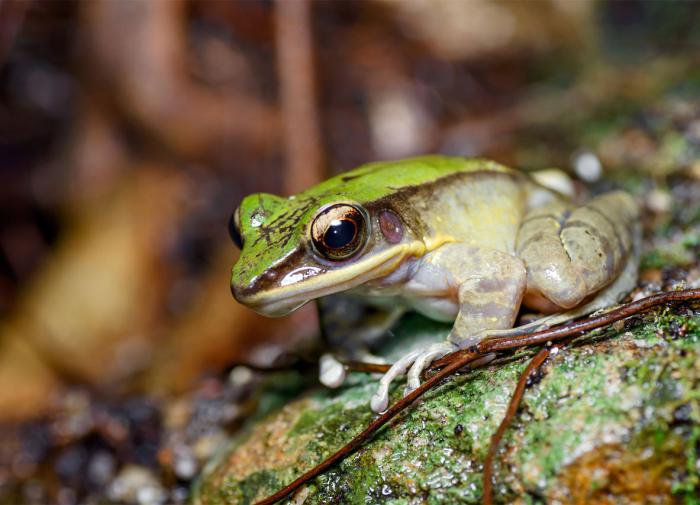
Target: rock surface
(615, 417)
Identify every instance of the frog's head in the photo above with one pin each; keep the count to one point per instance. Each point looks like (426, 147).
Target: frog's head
(299, 248)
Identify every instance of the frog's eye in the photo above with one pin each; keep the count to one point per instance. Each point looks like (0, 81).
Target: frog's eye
(339, 231)
(234, 230)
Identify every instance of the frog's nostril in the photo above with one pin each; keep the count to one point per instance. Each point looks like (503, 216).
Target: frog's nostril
(270, 275)
(244, 293)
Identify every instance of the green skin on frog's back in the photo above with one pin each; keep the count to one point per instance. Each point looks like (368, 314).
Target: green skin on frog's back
(457, 239)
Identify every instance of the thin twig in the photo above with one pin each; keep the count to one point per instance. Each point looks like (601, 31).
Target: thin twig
(365, 366)
(359, 439)
(513, 406)
(497, 344)
(548, 335)
(459, 359)
(554, 334)
(295, 66)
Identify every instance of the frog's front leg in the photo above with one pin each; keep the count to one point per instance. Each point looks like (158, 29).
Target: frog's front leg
(488, 286)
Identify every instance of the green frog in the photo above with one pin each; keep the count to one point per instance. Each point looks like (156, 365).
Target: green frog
(461, 240)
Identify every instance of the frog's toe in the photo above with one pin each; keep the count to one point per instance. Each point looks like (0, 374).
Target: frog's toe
(422, 362)
(380, 399)
(331, 371)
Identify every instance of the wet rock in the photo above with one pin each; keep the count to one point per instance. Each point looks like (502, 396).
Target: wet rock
(602, 424)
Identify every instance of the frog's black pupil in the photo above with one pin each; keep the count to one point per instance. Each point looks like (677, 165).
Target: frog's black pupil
(233, 232)
(340, 233)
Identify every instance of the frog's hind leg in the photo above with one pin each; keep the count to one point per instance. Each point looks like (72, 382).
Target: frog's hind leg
(610, 295)
(573, 253)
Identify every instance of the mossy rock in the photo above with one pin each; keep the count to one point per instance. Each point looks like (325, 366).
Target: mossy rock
(615, 418)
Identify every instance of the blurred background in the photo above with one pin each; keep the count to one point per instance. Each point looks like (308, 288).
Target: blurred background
(129, 131)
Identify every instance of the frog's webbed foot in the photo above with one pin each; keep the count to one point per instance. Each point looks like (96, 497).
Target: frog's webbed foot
(418, 361)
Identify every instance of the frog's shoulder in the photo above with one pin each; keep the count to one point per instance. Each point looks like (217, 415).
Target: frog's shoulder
(380, 179)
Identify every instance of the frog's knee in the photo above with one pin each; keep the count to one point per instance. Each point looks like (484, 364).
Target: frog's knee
(568, 297)
(561, 285)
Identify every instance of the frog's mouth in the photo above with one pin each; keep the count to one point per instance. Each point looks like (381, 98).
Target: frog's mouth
(274, 297)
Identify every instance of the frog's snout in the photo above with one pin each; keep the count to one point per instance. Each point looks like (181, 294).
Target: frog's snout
(265, 305)
(248, 291)
(244, 294)
(236, 291)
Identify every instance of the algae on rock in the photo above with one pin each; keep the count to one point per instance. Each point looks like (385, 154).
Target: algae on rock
(616, 416)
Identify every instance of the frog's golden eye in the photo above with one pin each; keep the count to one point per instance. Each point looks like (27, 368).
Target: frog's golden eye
(234, 230)
(339, 231)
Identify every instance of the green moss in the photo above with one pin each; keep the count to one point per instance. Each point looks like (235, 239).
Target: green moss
(677, 255)
(607, 389)
(279, 389)
(247, 490)
(689, 486)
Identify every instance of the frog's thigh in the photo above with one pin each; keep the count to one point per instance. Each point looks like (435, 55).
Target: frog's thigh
(573, 253)
(489, 297)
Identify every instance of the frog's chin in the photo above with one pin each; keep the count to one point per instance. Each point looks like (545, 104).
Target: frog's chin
(282, 308)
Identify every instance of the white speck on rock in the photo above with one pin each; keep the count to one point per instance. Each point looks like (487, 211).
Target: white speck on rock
(587, 166)
(659, 201)
(240, 376)
(136, 484)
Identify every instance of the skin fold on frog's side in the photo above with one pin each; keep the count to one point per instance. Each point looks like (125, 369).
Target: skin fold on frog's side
(463, 240)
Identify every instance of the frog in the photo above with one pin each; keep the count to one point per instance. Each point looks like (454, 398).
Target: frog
(468, 241)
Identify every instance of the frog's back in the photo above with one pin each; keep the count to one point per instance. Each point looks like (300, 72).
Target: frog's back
(377, 180)
(469, 200)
